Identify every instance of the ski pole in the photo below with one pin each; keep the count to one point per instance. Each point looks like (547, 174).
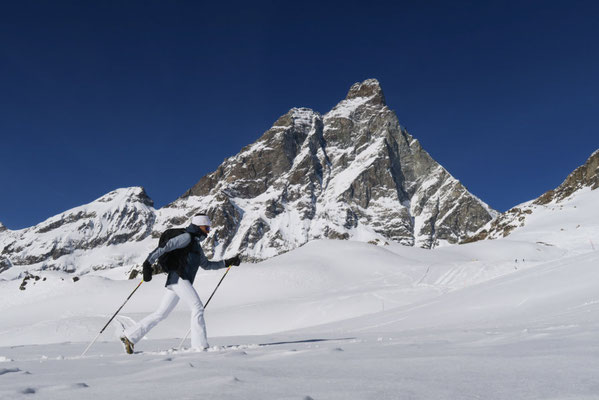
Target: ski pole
(206, 305)
(110, 320)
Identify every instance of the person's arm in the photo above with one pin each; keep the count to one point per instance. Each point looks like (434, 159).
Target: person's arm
(205, 264)
(213, 264)
(223, 263)
(178, 242)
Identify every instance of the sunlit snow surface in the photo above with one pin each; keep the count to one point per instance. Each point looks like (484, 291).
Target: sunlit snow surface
(512, 318)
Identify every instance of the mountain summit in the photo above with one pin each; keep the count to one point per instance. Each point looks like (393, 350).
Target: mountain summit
(352, 173)
(370, 88)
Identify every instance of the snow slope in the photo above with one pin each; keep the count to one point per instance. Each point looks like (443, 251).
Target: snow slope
(570, 223)
(321, 282)
(511, 318)
(527, 334)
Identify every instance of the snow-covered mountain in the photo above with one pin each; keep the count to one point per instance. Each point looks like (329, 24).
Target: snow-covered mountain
(353, 173)
(105, 233)
(565, 213)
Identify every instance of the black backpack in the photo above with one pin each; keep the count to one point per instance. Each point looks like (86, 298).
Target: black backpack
(173, 260)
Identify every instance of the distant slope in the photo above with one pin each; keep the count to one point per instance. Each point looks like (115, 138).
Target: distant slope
(112, 231)
(552, 295)
(567, 215)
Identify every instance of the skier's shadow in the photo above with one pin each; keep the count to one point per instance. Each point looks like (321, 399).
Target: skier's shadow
(301, 341)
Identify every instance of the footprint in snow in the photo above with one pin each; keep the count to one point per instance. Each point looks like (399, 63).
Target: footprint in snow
(79, 385)
(8, 370)
(28, 391)
(59, 388)
(219, 380)
(237, 354)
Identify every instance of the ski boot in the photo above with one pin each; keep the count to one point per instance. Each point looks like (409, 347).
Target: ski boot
(127, 344)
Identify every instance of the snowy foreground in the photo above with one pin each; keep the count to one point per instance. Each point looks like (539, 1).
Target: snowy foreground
(514, 318)
(550, 362)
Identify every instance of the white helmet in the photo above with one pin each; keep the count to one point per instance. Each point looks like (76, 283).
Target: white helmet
(201, 220)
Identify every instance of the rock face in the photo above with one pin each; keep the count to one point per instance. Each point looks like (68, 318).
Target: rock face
(585, 176)
(353, 173)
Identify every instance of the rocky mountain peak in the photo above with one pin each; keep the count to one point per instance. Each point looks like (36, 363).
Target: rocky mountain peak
(2, 227)
(587, 175)
(370, 88)
(352, 173)
(135, 194)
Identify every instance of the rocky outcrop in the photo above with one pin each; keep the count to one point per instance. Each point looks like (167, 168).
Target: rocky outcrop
(585, 176)
(5, 264)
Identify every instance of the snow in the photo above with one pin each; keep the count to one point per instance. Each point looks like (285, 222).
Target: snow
(344, 179)
(346, 108)
(303, 117)
(295, 366)
(92, 226)
(568, 223)
(512, 318)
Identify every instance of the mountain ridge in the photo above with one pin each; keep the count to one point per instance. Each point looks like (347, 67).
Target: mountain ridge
(351, 173)
(583, 177)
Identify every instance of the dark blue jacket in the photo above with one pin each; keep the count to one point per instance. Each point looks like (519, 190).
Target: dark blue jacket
(195, 257)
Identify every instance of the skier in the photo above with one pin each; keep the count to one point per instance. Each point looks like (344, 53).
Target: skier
(179, 252)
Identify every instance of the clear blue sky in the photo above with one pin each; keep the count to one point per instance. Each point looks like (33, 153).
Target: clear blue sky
(100, 95)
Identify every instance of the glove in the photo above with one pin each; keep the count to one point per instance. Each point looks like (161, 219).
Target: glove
(232, 261)
(147, 270)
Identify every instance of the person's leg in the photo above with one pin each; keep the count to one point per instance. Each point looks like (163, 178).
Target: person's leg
(185, 290)
(139, 330)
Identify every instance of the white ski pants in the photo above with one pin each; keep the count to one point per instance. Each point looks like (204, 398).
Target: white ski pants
(183, 289)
